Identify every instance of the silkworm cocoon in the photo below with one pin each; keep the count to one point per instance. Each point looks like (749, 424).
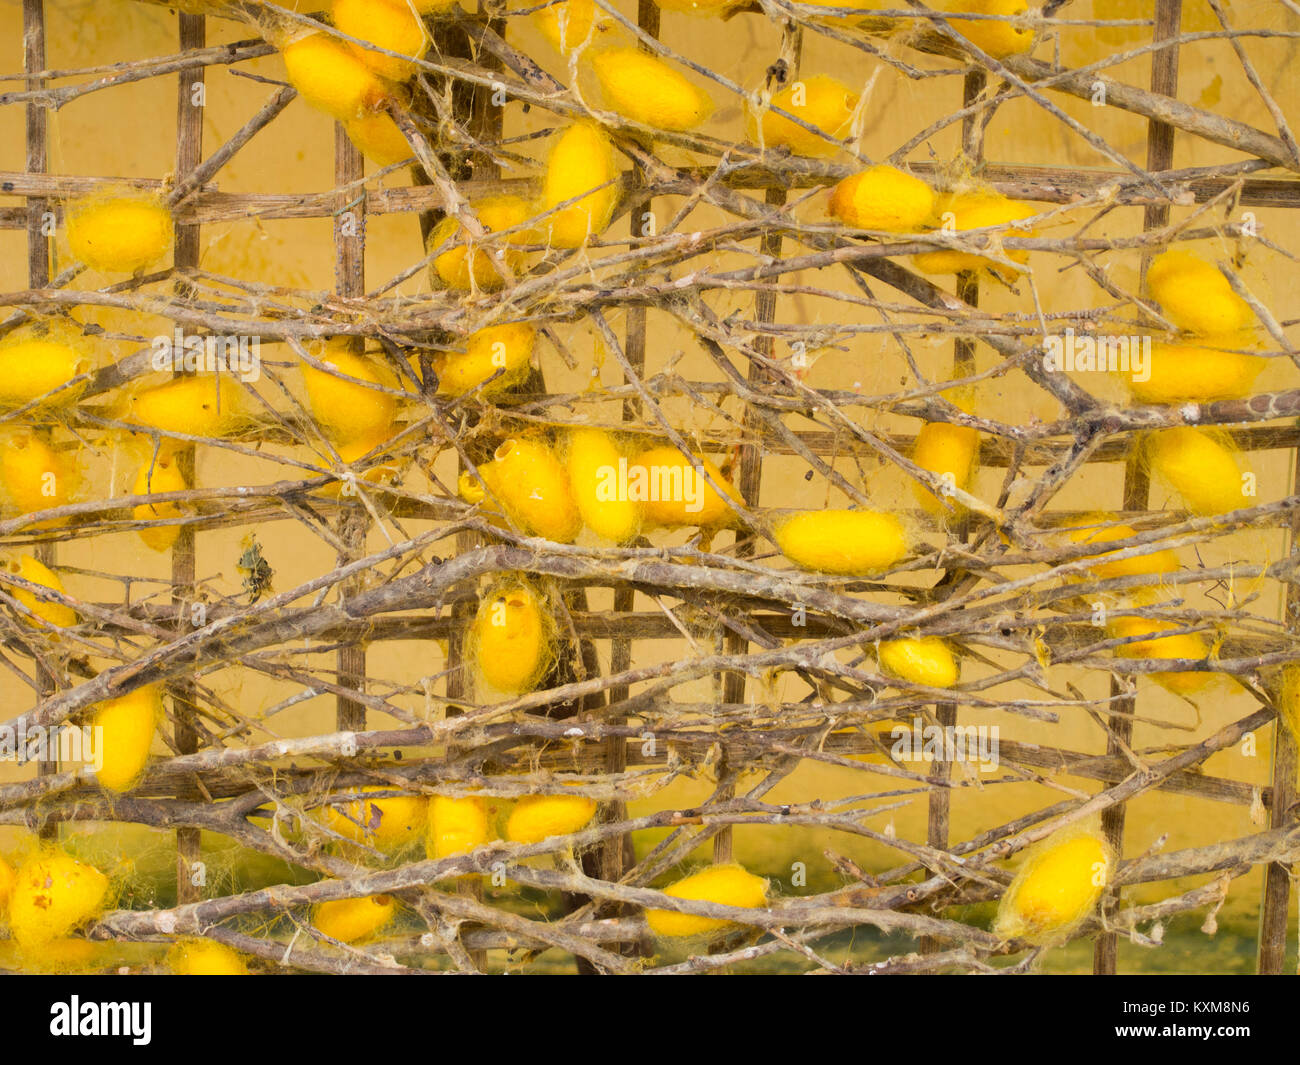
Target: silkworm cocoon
(119, 234)
(385, 824)
(456, 826)
(822, 102)
(592, 462)
(649, 91)
(378, 138)
(352, 920)
(843, 542)
(207, 405)
(699, 7)
(6, 884)
(203, 957)
(53, 615)
(511, 640)
(1152, 564)
(540, 817)
(528, 480)
(976, 210)
(1057, 887)
(435, 7)
(53, 893)
(159, 474)
(726, 885)
(1181, 645)
(1195, 295)
(349, 451)
(1203, 471)
(331, 77)
(1190, 372)
(467, 266)
(388, 24)
(581, 161)
(673, 492)
(35, 476)
(948, 451)
(993, 36)
(506, 348)
(571, 23)
(347, 398)
(128, 723)
(883, 198)
(32, 366)
(927, 660)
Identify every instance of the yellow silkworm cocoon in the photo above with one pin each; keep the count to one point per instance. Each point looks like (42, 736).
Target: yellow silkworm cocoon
(33, 475)
(540, 817)
(1189, 645)
(348, 397)
(53, 893)
(158, 475)
(978, 209)
(1203, 471)
(593, 461)
(822, 102)
(1152, 564)
(950, 452)
(378, 138)
(203, 957)
(388, 24)
(1195, 295)
(128, 724)
(456, 826)
(843, 542)
(6, 883)
(926, 660)
(571, 24)
(465, 265)
(506, 348)
(699, 7)
(1057, 887)
(511, 640)
(33, 366)
(530, 483)
(435, 7)
(647, 90)
(1182, 373)
(726, 885)
(331, 77)
(53, 615)
(352, 920)
(581, 161)
(883, 198)
(673, 492)
(207, 405)
(994, 36)
(119, 233)
(385, 824)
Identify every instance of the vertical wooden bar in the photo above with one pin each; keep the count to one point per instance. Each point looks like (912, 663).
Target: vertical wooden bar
(189, 153)
(1160, 155)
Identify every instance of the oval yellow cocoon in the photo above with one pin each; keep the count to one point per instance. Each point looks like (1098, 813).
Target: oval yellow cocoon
(161, 474)
(207, 405)
(673, 492)
(6, 883)
(1195, 295)
(581, 161)
(926, 660)
(511, 640)
(467, 266)
(822, 102)
(726, 885)
(1189, 645)
(1056, 888)
(507, 348)
(32, 367)
(1201, 470)
(456, 826)
(570, 24)
(53, 893)
(540, 817)
(993, 36)
(647, 90)
(386, 824)
(843, 542)
(349, 403)
(976, 210)
(531, 484)
(119, 234)
(378, 138)
(593, 462)
(883, 198)
(34, 475)
(1181, 373)
(331, 77)
(351, 920)
(1152, 564)
(946, 450)
(203, 957)
(387, 24)
(54, 615)
(127, 725)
